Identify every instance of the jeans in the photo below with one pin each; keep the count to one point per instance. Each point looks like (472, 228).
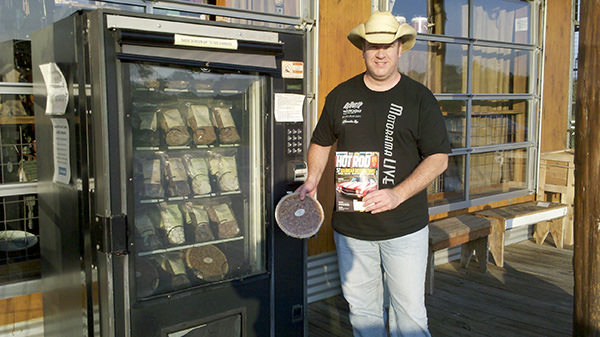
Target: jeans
(402, 263)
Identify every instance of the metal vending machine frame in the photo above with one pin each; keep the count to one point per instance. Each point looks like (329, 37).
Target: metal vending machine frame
(129, 250)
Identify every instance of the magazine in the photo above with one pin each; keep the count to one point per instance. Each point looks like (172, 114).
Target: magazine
(356, 174)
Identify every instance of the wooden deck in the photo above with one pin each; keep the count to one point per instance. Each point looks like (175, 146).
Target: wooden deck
(532, 295)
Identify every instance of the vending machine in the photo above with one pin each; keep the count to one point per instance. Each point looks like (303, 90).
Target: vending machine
(164, 144)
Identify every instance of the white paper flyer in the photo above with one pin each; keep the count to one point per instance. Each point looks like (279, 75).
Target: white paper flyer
(289, 107)
(57, 94)
(60, 135)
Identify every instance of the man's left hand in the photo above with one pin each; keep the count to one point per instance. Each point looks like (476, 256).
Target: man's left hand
(382, 200)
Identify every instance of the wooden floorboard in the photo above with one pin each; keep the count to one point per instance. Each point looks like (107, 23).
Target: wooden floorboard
(532, 295)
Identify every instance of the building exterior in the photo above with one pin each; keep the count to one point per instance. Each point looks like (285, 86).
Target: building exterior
(501, 70)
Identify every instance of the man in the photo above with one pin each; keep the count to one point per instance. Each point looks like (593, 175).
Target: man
(383, 111)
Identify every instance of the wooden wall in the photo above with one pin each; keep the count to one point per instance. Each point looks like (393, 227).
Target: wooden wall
(557, 71)
(338, 61)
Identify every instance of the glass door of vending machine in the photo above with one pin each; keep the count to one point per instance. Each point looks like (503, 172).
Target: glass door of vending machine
(197, 162)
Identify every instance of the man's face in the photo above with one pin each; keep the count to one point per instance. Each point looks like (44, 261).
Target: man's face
(381, 60)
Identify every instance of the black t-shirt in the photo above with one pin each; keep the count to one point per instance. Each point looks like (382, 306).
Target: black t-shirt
(404, 124)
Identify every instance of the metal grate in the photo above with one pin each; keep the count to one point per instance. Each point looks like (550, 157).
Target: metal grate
(19, 238)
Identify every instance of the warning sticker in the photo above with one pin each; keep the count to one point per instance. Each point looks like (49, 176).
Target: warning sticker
(292, 69)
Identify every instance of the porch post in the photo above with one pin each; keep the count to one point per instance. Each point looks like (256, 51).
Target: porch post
(586, 321)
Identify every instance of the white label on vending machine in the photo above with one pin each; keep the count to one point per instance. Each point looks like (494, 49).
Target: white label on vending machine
(205, 42)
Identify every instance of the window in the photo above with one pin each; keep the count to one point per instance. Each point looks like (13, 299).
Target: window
(479, 58)
(281, 7)
(19, 231)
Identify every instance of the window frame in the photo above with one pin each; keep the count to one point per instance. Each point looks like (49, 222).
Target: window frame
(532, 96)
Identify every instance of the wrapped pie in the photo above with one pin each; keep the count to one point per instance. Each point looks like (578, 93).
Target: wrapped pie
(176, 132)
(222, 214)
(227, 131)
(152, 178)
(147, 276)
(171, 222)
(196, 219)
(152, 84)
(12, 107)
(223, 167)
(197, 117)
(146, 224)
(177, 182)
(208, 263)
(174, 265)
(178, 85)
(145, 126)
(197, 170)
(200, 86)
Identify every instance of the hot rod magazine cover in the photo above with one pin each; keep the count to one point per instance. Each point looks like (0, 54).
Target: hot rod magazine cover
(356, 174)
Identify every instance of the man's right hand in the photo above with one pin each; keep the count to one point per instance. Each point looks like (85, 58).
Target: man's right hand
(307, 188)
(317, 159)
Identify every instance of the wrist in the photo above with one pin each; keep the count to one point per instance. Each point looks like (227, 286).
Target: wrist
(400, 193)
(311, 181)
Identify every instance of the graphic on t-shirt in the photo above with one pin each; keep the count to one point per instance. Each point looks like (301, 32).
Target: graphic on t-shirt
(356, 174)
(389, 164)
(351, 112)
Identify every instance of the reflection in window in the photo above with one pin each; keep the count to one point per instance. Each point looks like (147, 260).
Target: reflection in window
(19, 238)
(497, 172)
(19, 21)
(454, 113)
(444, 17)
(15, 61)
(498, 122)
(172, 12)
(502, 20)
(439, 66)
(449, 187)
(280, 7)
(17, 139)
(500, 70)
(12, 107)
(17, 155)
(494, 20)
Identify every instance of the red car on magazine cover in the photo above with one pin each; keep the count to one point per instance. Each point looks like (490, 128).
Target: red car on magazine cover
(356, 188)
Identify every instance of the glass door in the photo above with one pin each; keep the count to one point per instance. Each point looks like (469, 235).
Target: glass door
(198, 184)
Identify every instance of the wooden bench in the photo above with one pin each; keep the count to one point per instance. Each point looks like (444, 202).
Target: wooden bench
(546, 215)
(467, 230)
(557, 183)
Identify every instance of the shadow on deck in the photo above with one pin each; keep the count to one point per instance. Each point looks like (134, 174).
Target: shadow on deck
(532, 295)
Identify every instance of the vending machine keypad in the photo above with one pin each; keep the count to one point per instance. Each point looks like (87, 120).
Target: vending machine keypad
(294, 140)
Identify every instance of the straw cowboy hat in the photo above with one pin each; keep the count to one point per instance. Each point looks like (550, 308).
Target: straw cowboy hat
(383, 28)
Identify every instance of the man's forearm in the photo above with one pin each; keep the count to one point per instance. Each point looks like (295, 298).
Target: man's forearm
(317, 160)
(428, 170)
